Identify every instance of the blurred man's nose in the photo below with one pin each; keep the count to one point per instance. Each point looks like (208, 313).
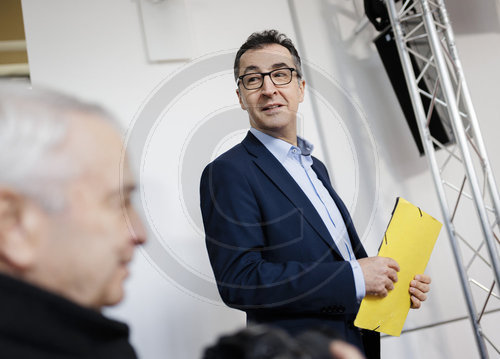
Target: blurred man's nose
(138, 231)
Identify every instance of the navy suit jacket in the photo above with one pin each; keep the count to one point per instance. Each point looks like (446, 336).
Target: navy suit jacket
(270, 251)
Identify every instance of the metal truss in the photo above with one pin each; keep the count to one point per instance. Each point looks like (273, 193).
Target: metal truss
(462, 174)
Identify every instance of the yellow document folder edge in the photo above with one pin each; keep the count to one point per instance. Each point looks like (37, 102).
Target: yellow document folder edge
(409, 240)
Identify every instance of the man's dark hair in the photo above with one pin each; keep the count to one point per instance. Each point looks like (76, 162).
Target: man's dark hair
(258, 342)
(316, 341)
(260, 39)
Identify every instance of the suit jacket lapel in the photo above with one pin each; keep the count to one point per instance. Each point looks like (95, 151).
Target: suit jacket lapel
(357, 247)
(287, 185)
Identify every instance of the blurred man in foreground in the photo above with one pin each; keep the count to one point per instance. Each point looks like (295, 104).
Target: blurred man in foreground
(67, 227)
(265, 342)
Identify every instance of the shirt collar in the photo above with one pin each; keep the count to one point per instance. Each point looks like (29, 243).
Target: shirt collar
(305, 146)
(280, 148)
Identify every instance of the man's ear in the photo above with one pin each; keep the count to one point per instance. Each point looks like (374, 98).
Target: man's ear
(240, 98)
(18, 220)
(302, 87)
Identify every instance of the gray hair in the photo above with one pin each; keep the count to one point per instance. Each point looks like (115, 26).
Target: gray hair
(34, 126)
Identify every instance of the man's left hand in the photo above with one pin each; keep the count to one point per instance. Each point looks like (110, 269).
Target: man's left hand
(418, 287)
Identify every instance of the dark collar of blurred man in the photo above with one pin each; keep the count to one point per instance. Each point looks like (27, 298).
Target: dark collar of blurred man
(67, 228)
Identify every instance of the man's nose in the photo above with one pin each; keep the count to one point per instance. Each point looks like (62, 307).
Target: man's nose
(268, 87)
(138, 232)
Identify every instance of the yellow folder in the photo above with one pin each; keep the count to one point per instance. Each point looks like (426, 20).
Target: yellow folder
(409, 240)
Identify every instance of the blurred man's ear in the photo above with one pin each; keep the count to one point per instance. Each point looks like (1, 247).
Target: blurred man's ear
(17, 222)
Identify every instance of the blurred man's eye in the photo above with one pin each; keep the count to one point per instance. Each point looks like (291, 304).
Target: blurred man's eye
(127, 201)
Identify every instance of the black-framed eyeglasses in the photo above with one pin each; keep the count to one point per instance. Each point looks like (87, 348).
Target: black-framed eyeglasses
(254, 81)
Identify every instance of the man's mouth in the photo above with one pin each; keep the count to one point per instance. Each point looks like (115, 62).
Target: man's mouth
(271, 107)
(126, 259)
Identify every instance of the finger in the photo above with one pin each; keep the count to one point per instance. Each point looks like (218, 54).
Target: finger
(419, 285)
(415, 303)
(389, 285)
(424, 278)
(381, 291)
(392, 274)
(392, 264)
(418, 294)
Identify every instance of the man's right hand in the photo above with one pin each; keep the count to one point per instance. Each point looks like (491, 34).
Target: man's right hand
(380, 273)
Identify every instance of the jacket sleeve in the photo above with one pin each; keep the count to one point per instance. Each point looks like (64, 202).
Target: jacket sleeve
(235, 243)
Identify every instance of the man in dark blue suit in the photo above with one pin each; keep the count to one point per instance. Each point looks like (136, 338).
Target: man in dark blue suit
(280, 240)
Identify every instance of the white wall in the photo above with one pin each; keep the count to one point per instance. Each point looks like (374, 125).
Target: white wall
(95, 49)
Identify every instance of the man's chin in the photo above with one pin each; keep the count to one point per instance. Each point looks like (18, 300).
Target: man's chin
(273, 123)
(113, 297)
(112, 302)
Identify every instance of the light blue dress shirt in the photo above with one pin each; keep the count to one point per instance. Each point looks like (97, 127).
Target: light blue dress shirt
(297, 161)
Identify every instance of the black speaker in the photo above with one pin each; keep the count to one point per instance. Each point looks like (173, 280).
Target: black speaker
(439, 126)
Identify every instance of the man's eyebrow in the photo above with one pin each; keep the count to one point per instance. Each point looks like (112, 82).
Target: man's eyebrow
(129, 188)
(253, 68)
(250, 68)
(279, 65)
